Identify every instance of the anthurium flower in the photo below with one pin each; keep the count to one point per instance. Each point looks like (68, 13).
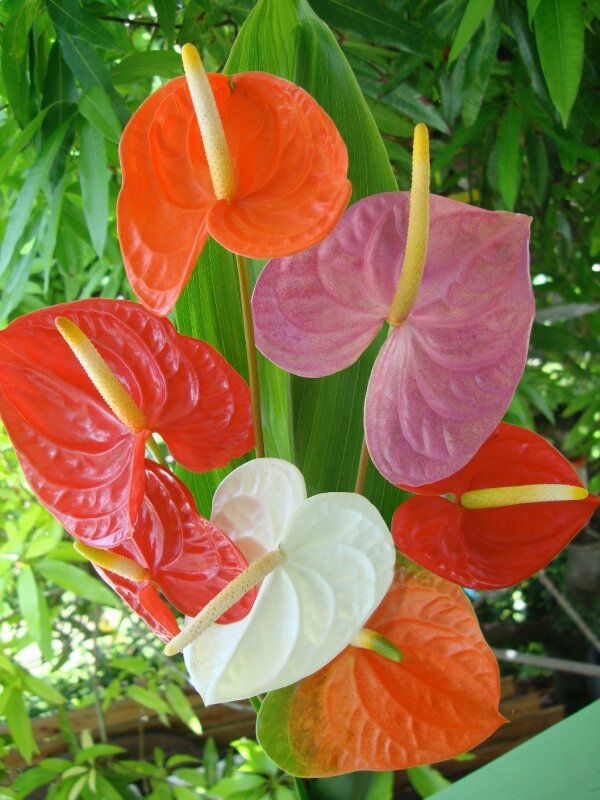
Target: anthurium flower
(460, 309)
(331, 559)
(365, 712)
(174, 552)
(513, 507)
(265, 177)
(81, 444)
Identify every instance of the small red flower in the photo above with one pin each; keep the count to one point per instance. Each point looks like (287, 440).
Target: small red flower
(84, 462)
(187, 559)
(488, 539)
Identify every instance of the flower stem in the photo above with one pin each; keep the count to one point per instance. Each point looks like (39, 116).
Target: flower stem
(255, 703)
(418, 230)
(244, 278)
(361, 473)
(226, 598)
(154, 448)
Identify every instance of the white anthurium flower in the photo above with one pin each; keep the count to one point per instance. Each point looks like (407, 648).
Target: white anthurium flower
(337, 564)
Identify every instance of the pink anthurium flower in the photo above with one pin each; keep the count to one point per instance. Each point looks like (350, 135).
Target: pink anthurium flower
(80, 414)
(512, 508)
(174, 552)
(460, 310)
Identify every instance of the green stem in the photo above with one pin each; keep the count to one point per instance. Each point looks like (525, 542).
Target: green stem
(255, 703)
(301, 789)
(361, 473)
(242, 266)
(154, 448)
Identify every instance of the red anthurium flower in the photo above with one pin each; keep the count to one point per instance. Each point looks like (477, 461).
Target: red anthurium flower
(515, 505)
(81, 445)
(173, 551)
(363, 711)
(285, 183)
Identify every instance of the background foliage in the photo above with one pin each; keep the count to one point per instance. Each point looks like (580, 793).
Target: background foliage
(509, 91)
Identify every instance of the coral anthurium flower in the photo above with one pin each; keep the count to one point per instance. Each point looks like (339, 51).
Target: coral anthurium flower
(460, 310)
(325, 563)
(365, 712)
(173, 551)
(266, 177)
(514, 506)
(80, 439)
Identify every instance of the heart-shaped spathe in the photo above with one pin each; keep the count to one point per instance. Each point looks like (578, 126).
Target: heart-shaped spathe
(338, 564)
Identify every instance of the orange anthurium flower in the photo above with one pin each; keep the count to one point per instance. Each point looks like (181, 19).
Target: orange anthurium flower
(512, 508)
(284, 185)
(365, 712)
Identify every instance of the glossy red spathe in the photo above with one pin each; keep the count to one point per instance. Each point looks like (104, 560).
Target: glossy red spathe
(188, 558)
(493, 548)
(84, 464)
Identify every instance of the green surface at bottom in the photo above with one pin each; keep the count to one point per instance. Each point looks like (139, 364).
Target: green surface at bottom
(562, 763)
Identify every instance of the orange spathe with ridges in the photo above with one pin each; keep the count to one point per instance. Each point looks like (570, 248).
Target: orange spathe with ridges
(439, 701)
(285, 187)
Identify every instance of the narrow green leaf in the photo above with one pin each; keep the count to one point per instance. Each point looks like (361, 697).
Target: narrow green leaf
(21, 211)
(20, 141)
(19, 724)
(480, 63)
(97, 108)
(78, 581)
(532, 7)
(409, 102)
(382, 787)
(33, 609)
(471, 20)
(95, 751)
(15, 60)
(509, 153)
(59, 90)
(106, 790)
(145, 65)
(70, 17)
(32, 779)
(375, 22)
(15, 280)
(89, 69)
(93, 178)
(43, 689)
(426, 781)
(538, 167)
(77, 787)
(183, 708)
(559, 34)
(148, 698)
(165, 11)
(525, 45)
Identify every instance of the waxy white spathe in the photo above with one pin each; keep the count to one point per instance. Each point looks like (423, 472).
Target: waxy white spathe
(338, 564)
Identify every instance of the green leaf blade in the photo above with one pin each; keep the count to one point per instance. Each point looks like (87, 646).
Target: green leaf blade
(559, 33)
